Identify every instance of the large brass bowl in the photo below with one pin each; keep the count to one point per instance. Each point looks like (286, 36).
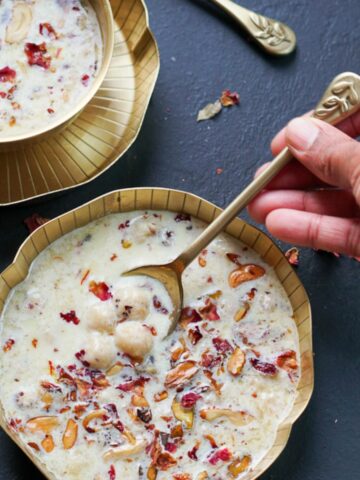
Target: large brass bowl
(166, 199)
(105, 17)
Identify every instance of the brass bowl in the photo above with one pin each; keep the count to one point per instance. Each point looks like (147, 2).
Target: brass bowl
(177, 201)
(105, 18)
(103, 131)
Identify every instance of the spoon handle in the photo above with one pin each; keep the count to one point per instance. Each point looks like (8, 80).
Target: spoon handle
(273, 36)
(340, 100)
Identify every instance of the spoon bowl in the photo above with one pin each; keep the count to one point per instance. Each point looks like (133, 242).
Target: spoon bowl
(335, 105)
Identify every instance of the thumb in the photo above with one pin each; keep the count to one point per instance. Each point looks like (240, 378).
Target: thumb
(327, 152)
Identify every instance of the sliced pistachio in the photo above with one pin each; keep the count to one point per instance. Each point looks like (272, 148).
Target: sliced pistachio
(236, 362)
(124, 451)
(20, 23)
(185, 415)
(238, 418)
(70, 434)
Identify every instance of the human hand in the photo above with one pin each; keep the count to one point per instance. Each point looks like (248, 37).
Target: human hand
(315, 202)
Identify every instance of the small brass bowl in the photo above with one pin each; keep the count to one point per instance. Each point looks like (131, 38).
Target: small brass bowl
(177, 201)
(106, 21)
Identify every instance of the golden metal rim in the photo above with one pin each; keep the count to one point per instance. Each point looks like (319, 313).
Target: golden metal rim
(104, 130)
(108, 52)
(177, 200)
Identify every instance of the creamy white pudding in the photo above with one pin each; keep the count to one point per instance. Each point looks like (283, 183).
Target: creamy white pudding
(90, 386)
(50, 53)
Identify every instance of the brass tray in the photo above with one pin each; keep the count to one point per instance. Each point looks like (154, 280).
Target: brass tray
(166, 199)
(104, 130)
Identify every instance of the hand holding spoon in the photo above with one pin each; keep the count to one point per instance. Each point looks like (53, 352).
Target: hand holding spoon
(340, 100)
(273, 36)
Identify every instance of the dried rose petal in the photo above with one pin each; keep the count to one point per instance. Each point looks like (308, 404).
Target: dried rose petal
(223, 455)
(7, 74)
(48, 30)
(209, 360)
(234, 258)
(228, 98)
(221, 345)
(35, 221)
(124, 225)
(209, 311)
(171, 447)
(70, 317)
(195, 335)
(165, 461)
(36, 55)
(188, 400)
(158, 306)
(293, 256)
(264, 367)
(112, 473)
(8, 345)
(193, 452)
(85, 80)
(189, 315)
(129, 386)
(144, 414)
(100, 290)
(287, 361)
(80, 356)
(50, 387)
(182, 217)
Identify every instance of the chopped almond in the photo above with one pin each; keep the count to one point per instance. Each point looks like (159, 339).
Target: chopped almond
(48, 444)
(181, 374)
(238, 418)
(185, 415)
(239, 466)
(43, 424)
(70, 434)
(236, 362)
(159, 397)
(245, 273)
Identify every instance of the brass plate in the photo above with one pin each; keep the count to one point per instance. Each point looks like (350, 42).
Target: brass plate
(104, 130)
(166, 199)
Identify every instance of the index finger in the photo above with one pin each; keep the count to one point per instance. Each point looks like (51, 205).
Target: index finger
(350, 126)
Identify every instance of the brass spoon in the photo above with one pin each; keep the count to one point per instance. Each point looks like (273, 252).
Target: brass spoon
(341, 99)
(273, 36)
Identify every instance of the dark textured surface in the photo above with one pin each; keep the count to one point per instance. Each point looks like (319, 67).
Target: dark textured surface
(203, 53)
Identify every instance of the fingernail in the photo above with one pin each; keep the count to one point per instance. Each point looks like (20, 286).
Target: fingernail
(301, 133)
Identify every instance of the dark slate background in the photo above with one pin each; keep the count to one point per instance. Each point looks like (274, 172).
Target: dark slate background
(203, 52)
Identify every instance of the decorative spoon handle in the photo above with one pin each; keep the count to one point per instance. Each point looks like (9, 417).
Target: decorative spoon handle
(273, 36)
(340, 100)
